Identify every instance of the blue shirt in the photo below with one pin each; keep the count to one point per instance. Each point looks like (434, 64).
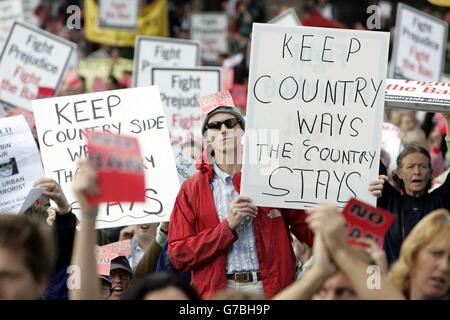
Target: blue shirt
(242, 254)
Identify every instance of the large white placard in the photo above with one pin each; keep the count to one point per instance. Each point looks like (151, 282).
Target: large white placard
(179, 89)
(10, 11)
(31, 58)
(420, 43)
(158, 51)
(314, 113)
(287, 18)
(211, 30)
(137, 112)
(119, 14)
(20, 163)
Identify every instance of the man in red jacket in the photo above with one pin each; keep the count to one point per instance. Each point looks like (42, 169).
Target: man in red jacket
(221, 237)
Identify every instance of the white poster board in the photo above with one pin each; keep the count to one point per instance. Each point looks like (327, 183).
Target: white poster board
(179, 89)
(314, 114)
(288, 18)
(10, 11)
(420, 43)
(20, 163)
(31, 58)
(211, 30)
(136, 112)
(157, 51)
(418, 95)
(118, 14)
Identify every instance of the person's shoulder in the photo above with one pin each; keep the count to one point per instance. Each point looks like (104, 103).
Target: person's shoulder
(195, 181)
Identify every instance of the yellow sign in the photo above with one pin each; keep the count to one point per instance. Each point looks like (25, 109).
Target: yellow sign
(153, 21)
(92, 68)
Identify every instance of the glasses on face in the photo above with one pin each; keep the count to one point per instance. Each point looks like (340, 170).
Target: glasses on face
(217, 125)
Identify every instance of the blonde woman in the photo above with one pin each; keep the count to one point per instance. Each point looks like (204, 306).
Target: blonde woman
(422, 271)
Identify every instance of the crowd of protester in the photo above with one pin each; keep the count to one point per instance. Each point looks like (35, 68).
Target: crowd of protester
(218, 244)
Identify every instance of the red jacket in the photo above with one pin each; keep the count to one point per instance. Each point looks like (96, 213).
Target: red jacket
(199, 242)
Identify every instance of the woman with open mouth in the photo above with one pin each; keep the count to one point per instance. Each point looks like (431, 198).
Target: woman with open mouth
(410, 199)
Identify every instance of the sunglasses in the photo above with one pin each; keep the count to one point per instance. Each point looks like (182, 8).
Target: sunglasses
(217, 125)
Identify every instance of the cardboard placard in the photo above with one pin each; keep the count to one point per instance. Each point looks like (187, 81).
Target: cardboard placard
(31, 58)
(288, 18)
(20, 163)
(215, 100)
(179, 89)
(314, 113)
(157, 51)
(211, 30)
(137, 112)
(366, 221)
(119, 14)
(420, 43)
(118, 162)
(108, 252)
(430, 96)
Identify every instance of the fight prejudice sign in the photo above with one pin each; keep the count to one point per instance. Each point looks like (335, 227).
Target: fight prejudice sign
(314, 113)
(31, 58)
(163, 52)
(180, 88)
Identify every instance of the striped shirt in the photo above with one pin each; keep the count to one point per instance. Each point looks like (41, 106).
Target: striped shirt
(242, 254)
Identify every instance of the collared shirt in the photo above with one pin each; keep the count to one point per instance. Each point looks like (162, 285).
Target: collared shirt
(242, 254)
(136, 253)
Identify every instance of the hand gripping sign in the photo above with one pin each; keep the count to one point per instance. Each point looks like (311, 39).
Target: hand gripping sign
(365, 221)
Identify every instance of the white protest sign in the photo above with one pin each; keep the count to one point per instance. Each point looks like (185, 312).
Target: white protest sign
(120, 14)
(314, 114)
(29, 7)
(158, 51)
(31, 58)
(20, 163)
(391, 142)
(135, 112)
(288, 18)
(185, 165)
(179, 89)
(10, 11)
(427, 96)
(420, 43)
(211, 30)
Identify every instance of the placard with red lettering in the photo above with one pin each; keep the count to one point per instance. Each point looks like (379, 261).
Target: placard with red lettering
(104, 255)
(430, 96)
(119, 14)
(31, 59)
(180, 88)
(118, 162)
(365, 221)
(420, 45)
(215, 100)
(211, 30)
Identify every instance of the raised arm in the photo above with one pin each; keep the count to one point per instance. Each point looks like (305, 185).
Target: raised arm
(83, 255)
